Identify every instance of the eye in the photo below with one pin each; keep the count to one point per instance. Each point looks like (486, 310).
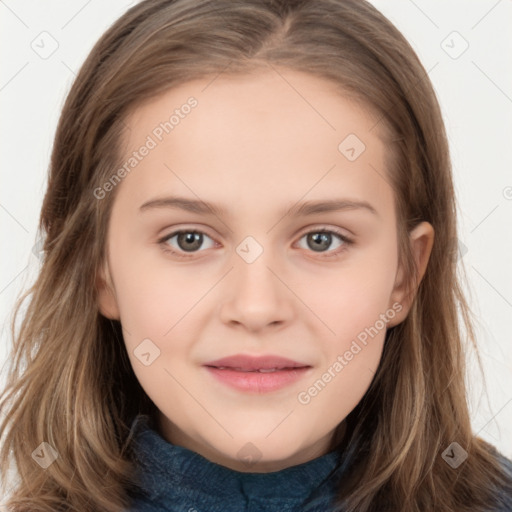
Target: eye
(319, 239)
(187, 241)
(190, 241)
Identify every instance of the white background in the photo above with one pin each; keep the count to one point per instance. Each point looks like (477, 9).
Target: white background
(475, 92)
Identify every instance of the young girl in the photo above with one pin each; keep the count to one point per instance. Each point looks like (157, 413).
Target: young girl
(305, 353)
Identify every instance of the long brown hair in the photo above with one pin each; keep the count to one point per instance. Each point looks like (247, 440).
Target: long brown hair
(70, 383)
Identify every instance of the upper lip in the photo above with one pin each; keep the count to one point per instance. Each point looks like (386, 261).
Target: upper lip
(245, 362)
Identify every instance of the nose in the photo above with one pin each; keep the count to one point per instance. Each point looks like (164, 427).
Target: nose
(255, 295)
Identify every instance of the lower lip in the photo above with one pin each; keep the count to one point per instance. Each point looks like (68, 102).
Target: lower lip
(258, 382)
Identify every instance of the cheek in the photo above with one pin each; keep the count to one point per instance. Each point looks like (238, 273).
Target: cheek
(354, 304)
(151, 300)
(353, 297)
(351, 377)
(344, 377)
(350, 356)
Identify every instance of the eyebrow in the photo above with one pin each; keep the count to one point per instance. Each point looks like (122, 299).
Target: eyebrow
(300, 209)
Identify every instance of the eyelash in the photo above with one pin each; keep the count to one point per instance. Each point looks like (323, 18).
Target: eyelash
(165, 247)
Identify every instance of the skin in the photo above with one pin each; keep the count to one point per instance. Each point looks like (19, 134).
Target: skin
(255, 146)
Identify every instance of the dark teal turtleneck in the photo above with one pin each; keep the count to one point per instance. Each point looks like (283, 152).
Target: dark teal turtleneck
(176, 479)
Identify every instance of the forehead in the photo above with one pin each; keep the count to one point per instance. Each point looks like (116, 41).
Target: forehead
(257, 135)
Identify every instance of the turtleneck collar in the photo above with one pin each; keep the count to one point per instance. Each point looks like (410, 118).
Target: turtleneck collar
(175, 478)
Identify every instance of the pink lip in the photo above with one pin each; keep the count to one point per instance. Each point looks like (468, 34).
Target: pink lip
(257, 382)
(241, 373)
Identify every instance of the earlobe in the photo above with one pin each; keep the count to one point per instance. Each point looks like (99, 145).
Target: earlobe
(422, 240)
(107, 302)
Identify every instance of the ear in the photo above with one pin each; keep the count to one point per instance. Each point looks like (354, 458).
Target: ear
(107, 301)
(422, 240)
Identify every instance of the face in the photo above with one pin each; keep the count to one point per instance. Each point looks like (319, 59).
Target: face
(256, 274)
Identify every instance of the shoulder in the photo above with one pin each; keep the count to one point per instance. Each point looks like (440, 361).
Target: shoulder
(505, 462)
(504, 495)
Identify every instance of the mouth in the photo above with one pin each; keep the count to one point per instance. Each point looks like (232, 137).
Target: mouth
(258, 380)
(260, 370)
(257, 374)
(248, 363)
